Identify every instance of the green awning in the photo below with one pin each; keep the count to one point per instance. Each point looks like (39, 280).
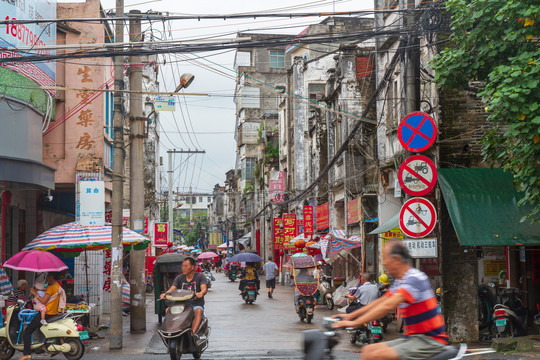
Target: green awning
(388, 225)
(482, 204)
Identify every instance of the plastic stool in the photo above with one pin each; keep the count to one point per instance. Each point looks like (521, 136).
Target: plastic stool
(25, 317)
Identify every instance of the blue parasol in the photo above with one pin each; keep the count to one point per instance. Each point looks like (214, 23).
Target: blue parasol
(246, 257)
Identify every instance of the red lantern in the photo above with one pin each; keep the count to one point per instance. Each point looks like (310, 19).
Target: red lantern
(300, 244)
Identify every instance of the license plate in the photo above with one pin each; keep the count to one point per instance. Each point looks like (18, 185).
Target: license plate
(83, 335)
(251, 292)
(375, 329)
(500, 322)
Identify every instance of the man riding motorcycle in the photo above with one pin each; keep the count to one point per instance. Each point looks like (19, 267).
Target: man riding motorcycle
(191, 280)
(365, 294)
(424, 326)
(384, 284)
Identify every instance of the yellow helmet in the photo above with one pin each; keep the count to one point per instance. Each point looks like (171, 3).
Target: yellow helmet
(438, 291)
(384, 279)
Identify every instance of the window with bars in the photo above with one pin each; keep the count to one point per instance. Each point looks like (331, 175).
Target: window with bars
(248, 166)
(277, 58)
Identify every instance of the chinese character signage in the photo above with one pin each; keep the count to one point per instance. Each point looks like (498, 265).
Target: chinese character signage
(277, 187)
(354, 211)
(92, 203)
(164, 103)
(278, 234)
(107, 271)
(422, 248)
(289, 230)
(308, 220)
(300, 226)
(323, 216)
(161, 233)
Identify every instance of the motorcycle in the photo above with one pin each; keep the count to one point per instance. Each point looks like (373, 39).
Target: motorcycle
(306, 281)
(510, 315)
(325, 292)
(209, 278)
(318, 345)
(60, 335)
(149, 284)
(234, 273)
(176, 331)
(249, 293)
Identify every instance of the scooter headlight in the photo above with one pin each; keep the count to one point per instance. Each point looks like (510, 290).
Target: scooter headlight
(175, 310)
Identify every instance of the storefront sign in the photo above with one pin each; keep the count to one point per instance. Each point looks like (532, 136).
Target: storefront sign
(161, 233)
(494, 267)
(308, 220)
(422, 248)
(323, 216)
(277, 187)
(430, 266)
(354, 211)
(278, 234)
(92, 195)
(289, 230)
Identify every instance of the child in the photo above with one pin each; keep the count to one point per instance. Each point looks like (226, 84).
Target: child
(38, 306)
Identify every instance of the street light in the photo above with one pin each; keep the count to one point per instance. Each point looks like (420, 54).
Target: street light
(185, 80)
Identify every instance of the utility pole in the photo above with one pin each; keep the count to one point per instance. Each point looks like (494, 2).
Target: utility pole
(171, 170)
(190, 205)
(136, 188)
(115, 340)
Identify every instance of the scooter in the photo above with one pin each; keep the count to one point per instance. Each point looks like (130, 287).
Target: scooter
(318, 345)
(60, 335)
(510, 316)
(361, 334)
(325, 292)
(249, 293)
(306, 308)
(176, 328)
(209, 278)
(234, 273)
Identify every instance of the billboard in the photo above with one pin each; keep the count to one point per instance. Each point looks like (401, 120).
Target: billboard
(29, 35)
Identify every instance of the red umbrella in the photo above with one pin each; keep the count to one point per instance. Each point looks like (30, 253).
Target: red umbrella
(36, 261)
(207, 255)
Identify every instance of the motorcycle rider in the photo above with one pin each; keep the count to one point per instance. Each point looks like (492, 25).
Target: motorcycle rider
(364, 295)
(384, 284)
(424, 326)
(195, 281)
(249, 274)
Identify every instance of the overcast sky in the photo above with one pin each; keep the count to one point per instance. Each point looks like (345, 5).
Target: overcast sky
(213, 118)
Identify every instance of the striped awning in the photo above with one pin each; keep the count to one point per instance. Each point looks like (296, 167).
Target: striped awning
(336, 241)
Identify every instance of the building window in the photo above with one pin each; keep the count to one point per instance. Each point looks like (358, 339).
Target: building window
(209, 199)
(338, 134)
(200, 198)
(277, 58)
(194, 200)
(248, 166)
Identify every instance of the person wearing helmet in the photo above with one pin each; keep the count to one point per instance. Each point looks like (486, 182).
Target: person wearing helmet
(384, 284)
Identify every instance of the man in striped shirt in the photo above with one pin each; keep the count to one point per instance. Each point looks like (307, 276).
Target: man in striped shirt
(425, 334)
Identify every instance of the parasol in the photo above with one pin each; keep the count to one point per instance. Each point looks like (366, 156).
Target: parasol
(207, 255)
(35, 261)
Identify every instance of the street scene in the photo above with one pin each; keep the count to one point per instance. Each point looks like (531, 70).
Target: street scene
(330, 179)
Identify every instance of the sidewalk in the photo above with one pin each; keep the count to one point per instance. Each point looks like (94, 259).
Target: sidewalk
(131, 343)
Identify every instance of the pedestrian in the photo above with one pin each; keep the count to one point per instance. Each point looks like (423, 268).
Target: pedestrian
(271, 269)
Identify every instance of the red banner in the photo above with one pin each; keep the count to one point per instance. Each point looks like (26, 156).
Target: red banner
(278, 234)
(308, 220)
(323, 216)
(354, 211)
(289, 230)
(161, 233)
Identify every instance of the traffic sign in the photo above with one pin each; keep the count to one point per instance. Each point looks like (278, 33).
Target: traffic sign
(417, 217)
(417, 131)
(417, 175)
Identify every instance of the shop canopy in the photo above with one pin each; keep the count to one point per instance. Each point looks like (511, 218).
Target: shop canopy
(482, 204)
(336, 241)
(388, 225)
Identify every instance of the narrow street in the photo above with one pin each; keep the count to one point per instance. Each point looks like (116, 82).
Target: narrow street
(269, 328)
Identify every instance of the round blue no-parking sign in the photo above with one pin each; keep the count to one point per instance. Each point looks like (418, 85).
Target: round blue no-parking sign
(417, 131)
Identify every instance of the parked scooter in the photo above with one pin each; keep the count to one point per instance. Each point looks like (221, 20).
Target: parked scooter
(60, 335)
(318, 344)
(176, 329)
(249, 293)
(325, 292)
(510, 315)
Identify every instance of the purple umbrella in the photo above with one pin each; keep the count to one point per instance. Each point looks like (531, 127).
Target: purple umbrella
(36, 261)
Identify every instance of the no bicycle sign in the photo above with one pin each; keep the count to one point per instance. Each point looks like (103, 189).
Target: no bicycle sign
(417, 175)
(417, 217)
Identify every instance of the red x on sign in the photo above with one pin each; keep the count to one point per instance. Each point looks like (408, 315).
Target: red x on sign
(417, 217)
(417, 175)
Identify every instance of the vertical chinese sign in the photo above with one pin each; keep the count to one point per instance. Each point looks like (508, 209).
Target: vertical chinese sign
(161, 233)
(277, 187)
(278, 234)
(308, 221)
(289, 230)
(354, 211)
(323, 216)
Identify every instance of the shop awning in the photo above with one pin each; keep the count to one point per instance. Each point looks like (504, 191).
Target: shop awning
(388, 225)
(245, 240)
(482, 204)
(24, 174)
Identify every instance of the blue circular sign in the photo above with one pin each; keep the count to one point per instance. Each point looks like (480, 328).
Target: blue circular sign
(417, 131)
